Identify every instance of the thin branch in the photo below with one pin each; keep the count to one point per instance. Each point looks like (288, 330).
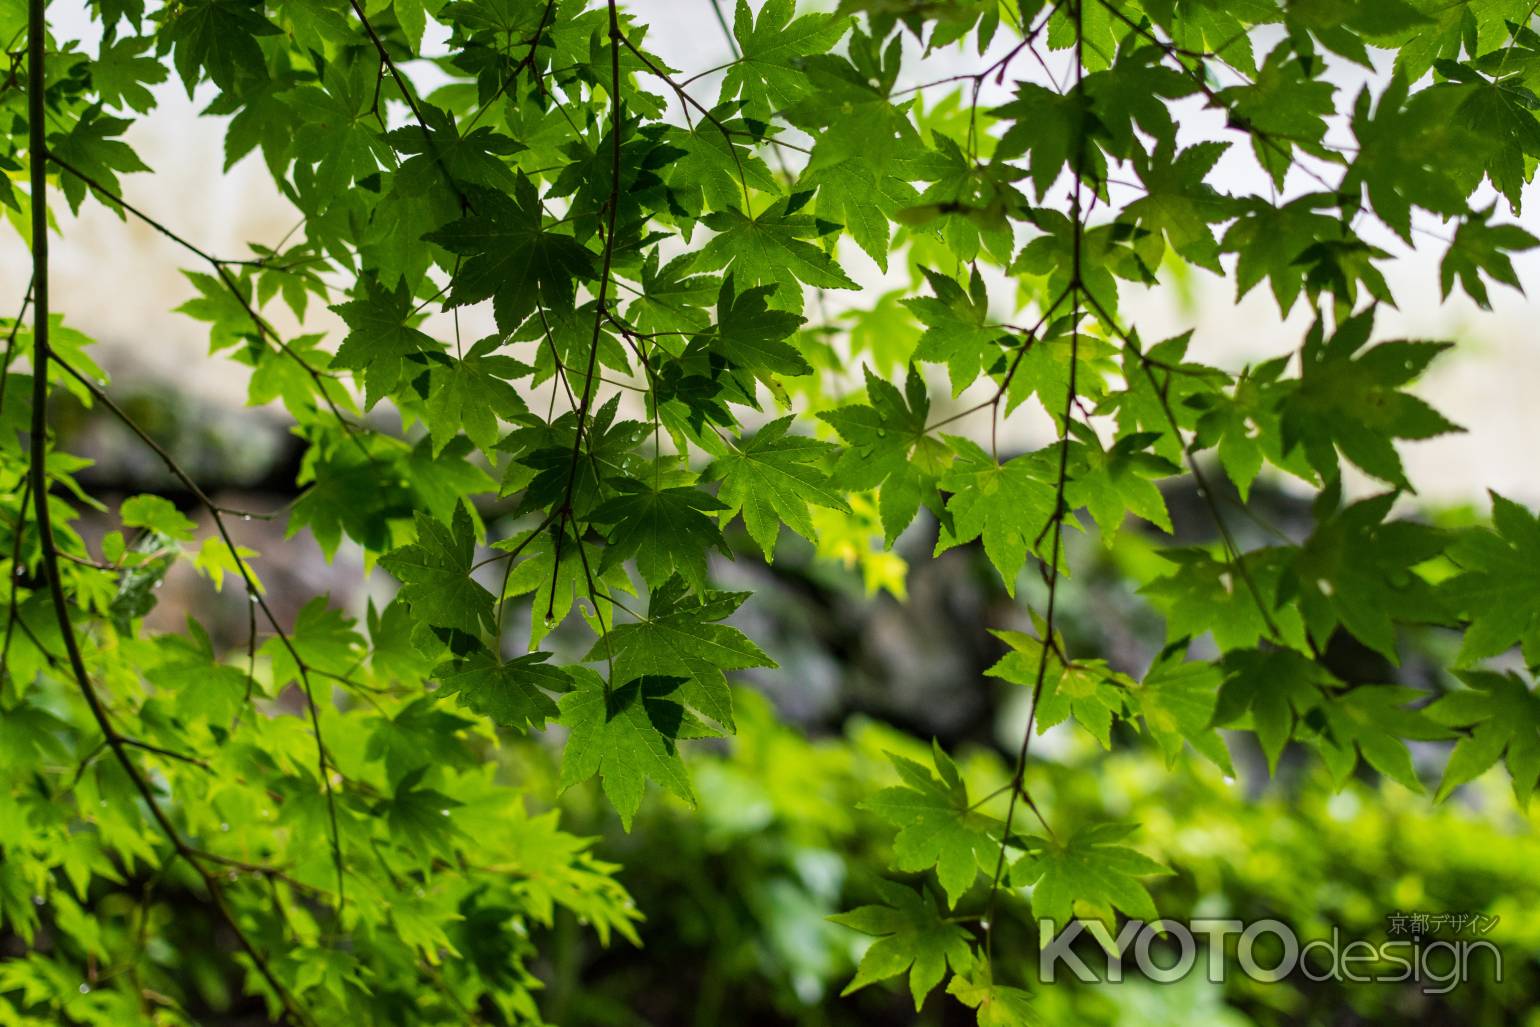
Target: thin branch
(37, 471)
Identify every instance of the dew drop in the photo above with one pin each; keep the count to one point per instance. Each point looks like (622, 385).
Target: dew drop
(85, 989)
(224, 827)
(443, 813)
(252, 596)
(159, 583)
(37, 900)
(245, 517)
(984, 924)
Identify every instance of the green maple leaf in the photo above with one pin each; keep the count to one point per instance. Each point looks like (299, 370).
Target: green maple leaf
(121, 73)
(510, 256)
(1178, 202)
(1502, 716)
(911, 935)
(1115, 482)
(1047, 127)
(191, 673)
(511, 692)
(958, 331)
(1205, 593)
(1006, 504)
(665, 529)
(1286, 104)
(1480, 248)
(1177, 699)
(435, 574)
(419, 818)
(1088, 690)
(998, 1005)
(1373, 721)
(750, 335)
(473, 393)
(323, 639)
(475, 158)
(1498, 583)
(337, 141)
(1133, 95)
(680, 638)
(1088, 872)
(768, 75)
(1275, 687)
(859, 195)
(713, 167)
(672, 300)
(937, 826)
(92, 146)
(1414, 149)
(1351, 401)
(625, 735)
(1269, 240)
(888, 448)
(771, 478)
(381, 338)
(1359, 570)
(220, 37)
(772, 249)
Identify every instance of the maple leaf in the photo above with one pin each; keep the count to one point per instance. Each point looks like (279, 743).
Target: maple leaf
(121, 73)
(1051, 129)
(1480, 248)
(937, 826)
(888, 447)
(958, 331)
(1372, 721)
(771, 478)
(998, 1005)
(772, 249)
(1351, 401)
(437, 148)
(911, 935)
(472, 393)
(1359, 570)
(1502, 716)
(750, 335)
(1178, 202)
(1177, 699)
(625, 735)
(680, 638)
(1499, 580)
(435, 574)
(1088, 690)
(1269, 241)
(766, 75)
(1275, 687)
(510, 256)
(336, 143)
(1086, 872)
(511, 692)
(665, 529)
(1006, 504)
(1115, 482)
(419, 817)
(92, 146)
(381, 337)
(220, 37)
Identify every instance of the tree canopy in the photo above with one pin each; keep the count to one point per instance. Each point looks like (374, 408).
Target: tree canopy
(666, 262)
